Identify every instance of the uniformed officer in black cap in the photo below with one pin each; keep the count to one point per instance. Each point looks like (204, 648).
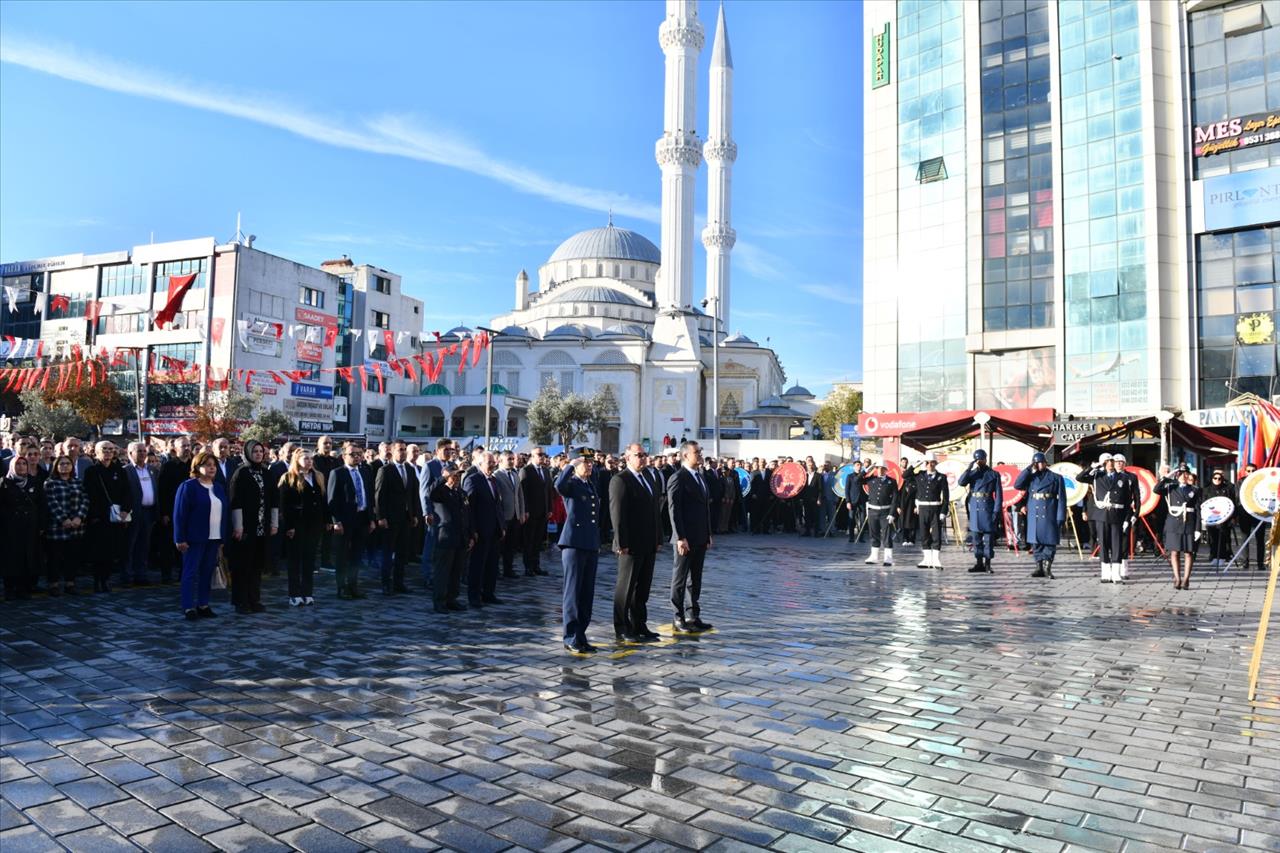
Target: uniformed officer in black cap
(1046, 511)
(984, 503)
(882, 500)
(933, 497)
(580, 547)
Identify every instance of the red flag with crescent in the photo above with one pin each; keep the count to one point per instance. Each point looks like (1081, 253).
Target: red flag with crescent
(178, 287)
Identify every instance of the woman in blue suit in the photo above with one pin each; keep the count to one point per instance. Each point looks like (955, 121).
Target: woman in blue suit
(201, 523)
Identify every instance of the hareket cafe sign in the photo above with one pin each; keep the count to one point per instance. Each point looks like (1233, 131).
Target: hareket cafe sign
(1235, 133)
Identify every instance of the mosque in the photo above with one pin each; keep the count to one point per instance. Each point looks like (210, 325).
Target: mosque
(613, 311)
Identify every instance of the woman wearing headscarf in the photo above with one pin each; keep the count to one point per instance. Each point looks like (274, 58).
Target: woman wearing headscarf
(20, 511)
(201, 524)
(254, 514)
(304, 517)
(66, 506)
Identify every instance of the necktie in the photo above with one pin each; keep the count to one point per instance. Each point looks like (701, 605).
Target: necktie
(701, 484)
(358, 482)
(644, 482)
(403, 476)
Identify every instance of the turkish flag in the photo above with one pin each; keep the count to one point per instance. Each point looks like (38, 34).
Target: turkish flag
(92, 309)
(178, 287)
(389, 340)
(59, 303)
(215, 329)
(330, 336)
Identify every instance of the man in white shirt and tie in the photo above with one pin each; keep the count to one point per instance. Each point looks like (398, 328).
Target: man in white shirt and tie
(398, 512)
(513, 511)
(350, 505)
(144, 482)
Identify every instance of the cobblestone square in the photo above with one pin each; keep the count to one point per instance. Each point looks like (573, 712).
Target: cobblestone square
(835, 706)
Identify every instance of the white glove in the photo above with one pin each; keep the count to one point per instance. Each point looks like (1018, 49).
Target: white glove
(1125, 527)
(1196, 536)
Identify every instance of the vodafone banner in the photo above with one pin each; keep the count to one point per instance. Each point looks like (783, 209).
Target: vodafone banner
(892, 424)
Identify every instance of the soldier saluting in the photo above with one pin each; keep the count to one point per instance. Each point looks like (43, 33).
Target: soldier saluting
(1117, 503)
(1181, 531)
(984, 504)
(1046, 511)
(932, 497)
(882, 496)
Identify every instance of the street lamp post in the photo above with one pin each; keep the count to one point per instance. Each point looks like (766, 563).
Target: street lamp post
(715, 373)
(488, 382)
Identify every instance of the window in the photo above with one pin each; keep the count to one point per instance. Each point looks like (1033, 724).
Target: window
(382, 284)
(311, 296)
(121, 324)
(122, 280)
(933, 169)
(566, 381)
(173, 399)
(375, 417)
(381, 320)
(163, 271)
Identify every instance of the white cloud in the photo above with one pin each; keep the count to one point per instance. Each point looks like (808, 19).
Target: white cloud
(392, 135)
(832, 293)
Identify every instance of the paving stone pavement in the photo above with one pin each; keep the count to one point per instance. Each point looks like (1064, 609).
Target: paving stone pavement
(836, 706)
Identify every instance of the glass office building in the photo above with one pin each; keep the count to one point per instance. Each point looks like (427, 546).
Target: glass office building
(1070, 204)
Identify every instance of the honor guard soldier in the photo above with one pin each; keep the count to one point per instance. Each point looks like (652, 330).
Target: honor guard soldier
(1046, 511)
(882, 498)
(984, 504)
(580, 548)
(1117, 506)
(1134, 489)
(1181, 531)
(932, 499)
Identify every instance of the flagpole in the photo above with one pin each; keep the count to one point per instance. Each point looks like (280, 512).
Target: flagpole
(488, 379)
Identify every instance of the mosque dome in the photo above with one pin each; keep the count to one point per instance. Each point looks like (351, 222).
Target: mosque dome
(624, 330)
(517, 332)
(594, 293)
(610, 242)
(457, 333)
(740, 340)
(798, 391)
(572, 331)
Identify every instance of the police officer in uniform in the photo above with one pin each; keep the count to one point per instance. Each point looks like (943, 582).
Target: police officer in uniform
(1117, 508)
(984, 504)
(932, 499)
(580, 548)
(882, 499)
(1126, 551)
(1181, 530)
(1046, 496)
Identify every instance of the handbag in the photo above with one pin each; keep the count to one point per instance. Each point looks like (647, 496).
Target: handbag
(219, 580)
(115, 514)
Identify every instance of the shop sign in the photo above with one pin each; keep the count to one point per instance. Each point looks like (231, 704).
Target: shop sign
(309, 352)
(1242, 199)
(1256, 328)
(312, 317)
(1223, 416)
(260, 338)
(1071, 431)
(312, 390)
(315, 426)
(880, 58)
(308, 408)
(43, 264)
(262, 383)
(897, 423)
(1235, 133)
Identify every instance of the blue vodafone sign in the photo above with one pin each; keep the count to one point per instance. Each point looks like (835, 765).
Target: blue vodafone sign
(311, 391)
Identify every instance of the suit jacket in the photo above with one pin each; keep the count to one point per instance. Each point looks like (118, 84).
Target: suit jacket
(636, 511)
(342, 497)
(582, 512)
(511, 494)
(226, 468)
(191, 513)
(173, 473)
(428, 479)
(453, 509)
(536, 487)
(135, 486)
(396, 500)
(690, 507)
(486, 504)
(812, 491)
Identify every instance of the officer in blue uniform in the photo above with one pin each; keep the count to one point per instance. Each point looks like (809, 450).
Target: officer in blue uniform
(580, 547)
(984, 504)
(1183, 524)
(1046, 511)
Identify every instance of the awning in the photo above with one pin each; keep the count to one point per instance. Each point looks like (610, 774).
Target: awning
(1015, 424)
(1181, 434)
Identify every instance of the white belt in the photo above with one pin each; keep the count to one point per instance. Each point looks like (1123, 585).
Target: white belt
(928, 503)
(1177, 511)
(1108, 505)
(873, 506)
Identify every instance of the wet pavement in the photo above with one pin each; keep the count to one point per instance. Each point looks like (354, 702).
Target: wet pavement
(835, 706)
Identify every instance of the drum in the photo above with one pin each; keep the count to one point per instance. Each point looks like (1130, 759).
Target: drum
(787, 480)
(841, 474)
(1260, 493)
(744, 480)
(952, 469)
(1076, 490)
(1008, 475)
(1149, 499)
(1216, 511)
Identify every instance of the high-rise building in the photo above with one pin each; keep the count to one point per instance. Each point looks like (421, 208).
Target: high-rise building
(1049, 188)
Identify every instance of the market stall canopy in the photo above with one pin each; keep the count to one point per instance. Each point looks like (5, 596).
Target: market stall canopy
(1181, 434)
(1028, 426)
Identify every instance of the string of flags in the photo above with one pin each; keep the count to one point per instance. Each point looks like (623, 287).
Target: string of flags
(82, 364)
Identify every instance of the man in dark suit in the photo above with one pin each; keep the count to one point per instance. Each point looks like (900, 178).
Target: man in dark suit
(326, 462)
(637, 536)
(513, 511)
(689, 500)
(399, 511)
(351, 505)
(175, 471)
(486, 525)
(535, 485)
(811, 497)
(144, 484)
(227, 464)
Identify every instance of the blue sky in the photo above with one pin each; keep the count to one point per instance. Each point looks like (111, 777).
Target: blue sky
(452, 143)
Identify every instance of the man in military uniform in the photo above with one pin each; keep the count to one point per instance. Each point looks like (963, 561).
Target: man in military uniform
(1117, 510)
(1126, 549)
(882, 496)
(984, 504)
(932, 499)
(580, 548)
(856, 500)
(1046, 496)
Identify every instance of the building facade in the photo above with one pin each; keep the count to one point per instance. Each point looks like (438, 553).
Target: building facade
(248, 313)
(1067, 204)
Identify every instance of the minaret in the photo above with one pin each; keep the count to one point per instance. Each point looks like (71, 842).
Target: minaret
(522, 291)
(679, 151)
(718, 236)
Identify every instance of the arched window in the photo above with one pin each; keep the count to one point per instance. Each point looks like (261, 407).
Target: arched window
(584, 271)
(616, 270)
(599, 270)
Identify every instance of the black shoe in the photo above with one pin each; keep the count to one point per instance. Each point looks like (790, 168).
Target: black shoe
(584, 648)
(456, 606)
(530, 573)
(191, 615)
(243, 609)
(402, 589)
(345, 595)
(683, 626)
(356, 593)
(977, 567)
(491, 599)
(442, 610)
(1039, 572)
(644, 638)
(510, 574)
(699, 625)
(258, 608)
(652, 635)
(629, 638)
(205, 612)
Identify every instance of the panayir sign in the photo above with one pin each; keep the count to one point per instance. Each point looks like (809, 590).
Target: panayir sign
(1235, 133)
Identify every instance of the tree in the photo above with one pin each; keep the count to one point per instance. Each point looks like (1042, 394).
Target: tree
(96, 404)
(269, 425)
(842, 406)
(57, 419)
(567, 418)
(222, 415)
